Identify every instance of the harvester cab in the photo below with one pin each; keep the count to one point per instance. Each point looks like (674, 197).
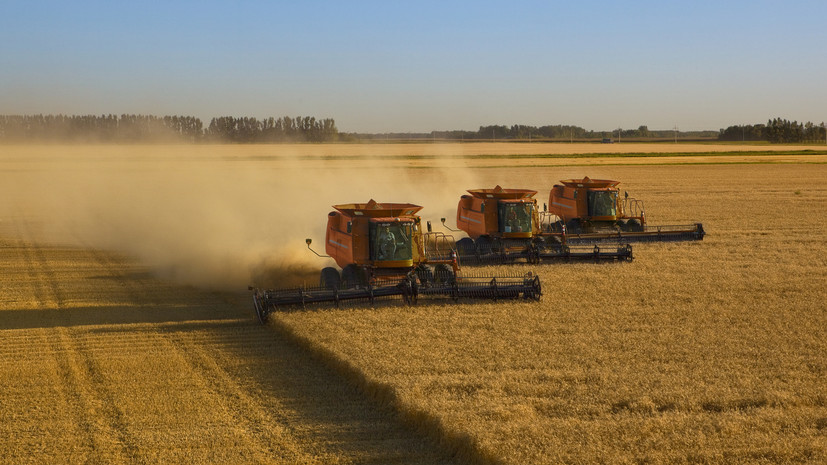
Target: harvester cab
(593, 204)
(590, 210)
(503, 225)
(498, 212)
(384, 252)
(373, 240)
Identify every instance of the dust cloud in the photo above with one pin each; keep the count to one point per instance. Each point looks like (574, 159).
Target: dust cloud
(199, 215)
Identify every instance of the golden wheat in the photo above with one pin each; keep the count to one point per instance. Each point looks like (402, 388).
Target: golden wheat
(698, 352)
(694, 352)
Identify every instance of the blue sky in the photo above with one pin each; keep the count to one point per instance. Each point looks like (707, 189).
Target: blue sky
(420, 66)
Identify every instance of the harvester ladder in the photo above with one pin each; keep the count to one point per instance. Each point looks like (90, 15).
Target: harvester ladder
(633, 207)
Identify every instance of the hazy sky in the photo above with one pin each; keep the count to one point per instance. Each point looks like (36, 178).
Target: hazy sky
(421, 66)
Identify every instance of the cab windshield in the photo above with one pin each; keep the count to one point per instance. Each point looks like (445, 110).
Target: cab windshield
(515, 217)
(390, 241)
(602, 203)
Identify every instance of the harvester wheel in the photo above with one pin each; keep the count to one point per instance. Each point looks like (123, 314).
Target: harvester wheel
(483, 245)
(330, 278)
(443, 274)
(465, 246)
(353, 276)
(533, 253)
(556, 227)
(536, 290)
(552, 242)
(634, 225)
(574, 226)
(622, 225)
(425, 275)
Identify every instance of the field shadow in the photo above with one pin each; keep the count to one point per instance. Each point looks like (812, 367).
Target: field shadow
(188, 305)
(266, 379)
(334, 413)
(219, 337)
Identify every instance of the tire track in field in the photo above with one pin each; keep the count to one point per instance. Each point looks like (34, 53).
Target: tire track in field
(256, 419)
(243, 410)
(271, 401)
(76, 398)
(277, 414)
(266, 433)
(285, 386)
(94, 406)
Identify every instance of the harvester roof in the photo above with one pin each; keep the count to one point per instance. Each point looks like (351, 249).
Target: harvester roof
(589, 182)
(500, 193)
(374, 209)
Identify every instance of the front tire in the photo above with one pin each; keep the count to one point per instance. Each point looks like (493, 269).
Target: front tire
(443, 274)
(330, 278)
(425, 275)
(484, 245)
(465, 246)
(353, 276)
(574, 226)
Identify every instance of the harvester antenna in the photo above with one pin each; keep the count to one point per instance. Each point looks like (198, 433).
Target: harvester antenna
(309, 241)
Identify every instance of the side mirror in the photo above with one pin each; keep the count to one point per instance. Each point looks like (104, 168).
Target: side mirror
(429, 226)
(308, 241)
(443, 220)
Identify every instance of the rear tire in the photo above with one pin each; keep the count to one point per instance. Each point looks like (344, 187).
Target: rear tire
(330, 278)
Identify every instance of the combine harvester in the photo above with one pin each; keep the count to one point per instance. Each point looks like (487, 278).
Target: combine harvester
(504, 226)
(589, 210)
(383, 252)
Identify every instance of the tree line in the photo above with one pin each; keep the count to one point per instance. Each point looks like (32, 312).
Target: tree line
(285, 129)
(145, 128)
(778, 131)
(550, 132)
(229, 129)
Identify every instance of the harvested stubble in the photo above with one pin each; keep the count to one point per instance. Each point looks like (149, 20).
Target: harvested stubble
(695, 352)
(101, 363)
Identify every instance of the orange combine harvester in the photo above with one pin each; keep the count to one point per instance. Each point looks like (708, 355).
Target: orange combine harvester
(503, 225)
(585, 219)
(384, 252)
(592, 209)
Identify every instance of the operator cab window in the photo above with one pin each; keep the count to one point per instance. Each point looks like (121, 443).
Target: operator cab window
(515, 217)
(390, 241)
(602, 203)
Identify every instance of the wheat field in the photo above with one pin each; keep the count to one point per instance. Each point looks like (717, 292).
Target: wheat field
(126, 335)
